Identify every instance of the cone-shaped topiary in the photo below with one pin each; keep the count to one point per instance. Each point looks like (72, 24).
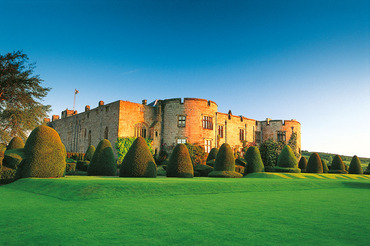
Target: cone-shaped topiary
(45, 154)
(325, 168)
(355, 166)
(180, 164)
(212, 154)
(103, 162)
(287, 162)
(89, 153)
(225, 164)
(367, 171)
(138, 161)
(302, 164)
(314, 164)
(254, 161)
(15, 143)
(337, 165)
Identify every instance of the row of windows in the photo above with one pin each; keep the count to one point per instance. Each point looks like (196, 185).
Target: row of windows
(207, 122)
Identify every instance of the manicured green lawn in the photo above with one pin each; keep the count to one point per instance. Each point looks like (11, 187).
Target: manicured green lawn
(265, 209)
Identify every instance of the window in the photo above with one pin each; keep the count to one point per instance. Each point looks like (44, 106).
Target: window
(258, 137)
(181, 140)
(241, 135)
(181, 121)
(89, 138)
(207, 145)
(140, 131)
(281, 136)
(221, 131)
(106, 133)
(207, 122)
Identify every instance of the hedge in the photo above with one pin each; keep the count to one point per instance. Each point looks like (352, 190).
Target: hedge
(225, 164)
(180, 164)
(89, 153)
(45, 154)
(314, 164)
(82, 165)
(13, 157)
(325, 168)
(7, 175)
(355, 166)
(287, 162)
(302, 164)
(75, 156)
(15, 143)
(367, 171)
(203, 170)
(212, 154)
(254, 160)
(103, 162)
(337, 165)
(138, 161)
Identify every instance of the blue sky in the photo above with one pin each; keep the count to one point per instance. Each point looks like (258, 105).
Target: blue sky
(307, 60)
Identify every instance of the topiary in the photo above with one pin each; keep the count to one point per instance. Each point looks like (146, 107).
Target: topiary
(337, 165)
(302, 164)
(314, 164)
(103, 162)
(254, 161)
(355, 166)
(15, 143)
(82, 165)
(138, 161)
(203, 170)
(162, 156)
(45, 154)
(89, 153)
(287, 162)
(180, 164)
(241, 162)
(212, 154)
(225, 164)
(210, 163)
(13, 157)
(325, 168)
(367, 171)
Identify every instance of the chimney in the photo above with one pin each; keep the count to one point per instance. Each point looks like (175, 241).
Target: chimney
(87, 108)
(46, 120)
(55, 117)
(101, 103)
(268, 121)
(144, 102)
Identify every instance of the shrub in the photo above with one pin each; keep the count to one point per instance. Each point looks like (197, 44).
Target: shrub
(103, 162)
(241, 162)
(225, 164)
(180, 164)
(367, 169)
(89, 153)
(2, 147)
(302, 164)
(15, 143)
(287, 162)
(70, 167)
(75, 156)
(314, 164)
(138, 161)
(210, 163)
(82, 165)
(123, 145)
(13, 157)
(45, 154)
(212, 154)
(355, 166)
(203, 170)
(162, 156)
(254, 161)
(240, 169)
(161, 171)
(325, 168)
(7, 175)
(270, 150)
(197, 154)
(337, 166)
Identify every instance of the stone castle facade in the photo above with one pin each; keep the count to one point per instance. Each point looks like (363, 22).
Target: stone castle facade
(167, 122)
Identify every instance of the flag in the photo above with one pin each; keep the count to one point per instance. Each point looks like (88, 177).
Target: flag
(76, 91)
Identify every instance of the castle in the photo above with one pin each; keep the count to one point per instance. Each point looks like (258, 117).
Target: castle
(167, 122)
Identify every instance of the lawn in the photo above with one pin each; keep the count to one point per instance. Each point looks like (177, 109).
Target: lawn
(264, 209)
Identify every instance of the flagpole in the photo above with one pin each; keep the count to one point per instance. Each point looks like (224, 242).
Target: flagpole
(74, 99)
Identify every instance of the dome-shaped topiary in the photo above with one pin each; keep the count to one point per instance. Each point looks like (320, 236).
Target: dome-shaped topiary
(225, 164)
(314, 164)
(325, 168)
(337, 165)
(254, 161)
(302, 164)
(13, 157)
(355, 166)
(287, 162)
(212, 154)
(367, 171)
(103, 162)
(89, 153)
(45, 154)
(15, 143)
(180, 164)
(138, 161)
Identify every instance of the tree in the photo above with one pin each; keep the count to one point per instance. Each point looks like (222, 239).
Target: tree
(20, 95)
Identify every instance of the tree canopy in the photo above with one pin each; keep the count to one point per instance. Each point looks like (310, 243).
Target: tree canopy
(21, 94)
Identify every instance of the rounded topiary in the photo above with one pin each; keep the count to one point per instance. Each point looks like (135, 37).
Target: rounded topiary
(314, 164)
(337, 165)
(254, 161)
(225, 164)
(302, 164)
(13, 157)
(15, 143)
(45, 154)
(180, 164)
(287, 162)
(89, 153)
(355, 166)
(325, 168)
(212, 154)
(103, 162)
(367, 171)
(138, 161)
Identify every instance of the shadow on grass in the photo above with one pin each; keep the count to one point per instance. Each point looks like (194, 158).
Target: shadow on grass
(357, 185)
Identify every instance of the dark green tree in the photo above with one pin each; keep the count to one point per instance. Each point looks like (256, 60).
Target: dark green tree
(314, 164)
(337, 166)
(287, 162)
(293, 144)
(225, 164)
(21, 93)
(254, 161)
(302, 164)
(355, 166)
(180, 164)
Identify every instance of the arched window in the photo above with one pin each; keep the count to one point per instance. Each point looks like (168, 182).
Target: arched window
(106, 133)
(140, 130)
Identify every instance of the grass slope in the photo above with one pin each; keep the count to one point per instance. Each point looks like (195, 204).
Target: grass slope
(261, 210)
